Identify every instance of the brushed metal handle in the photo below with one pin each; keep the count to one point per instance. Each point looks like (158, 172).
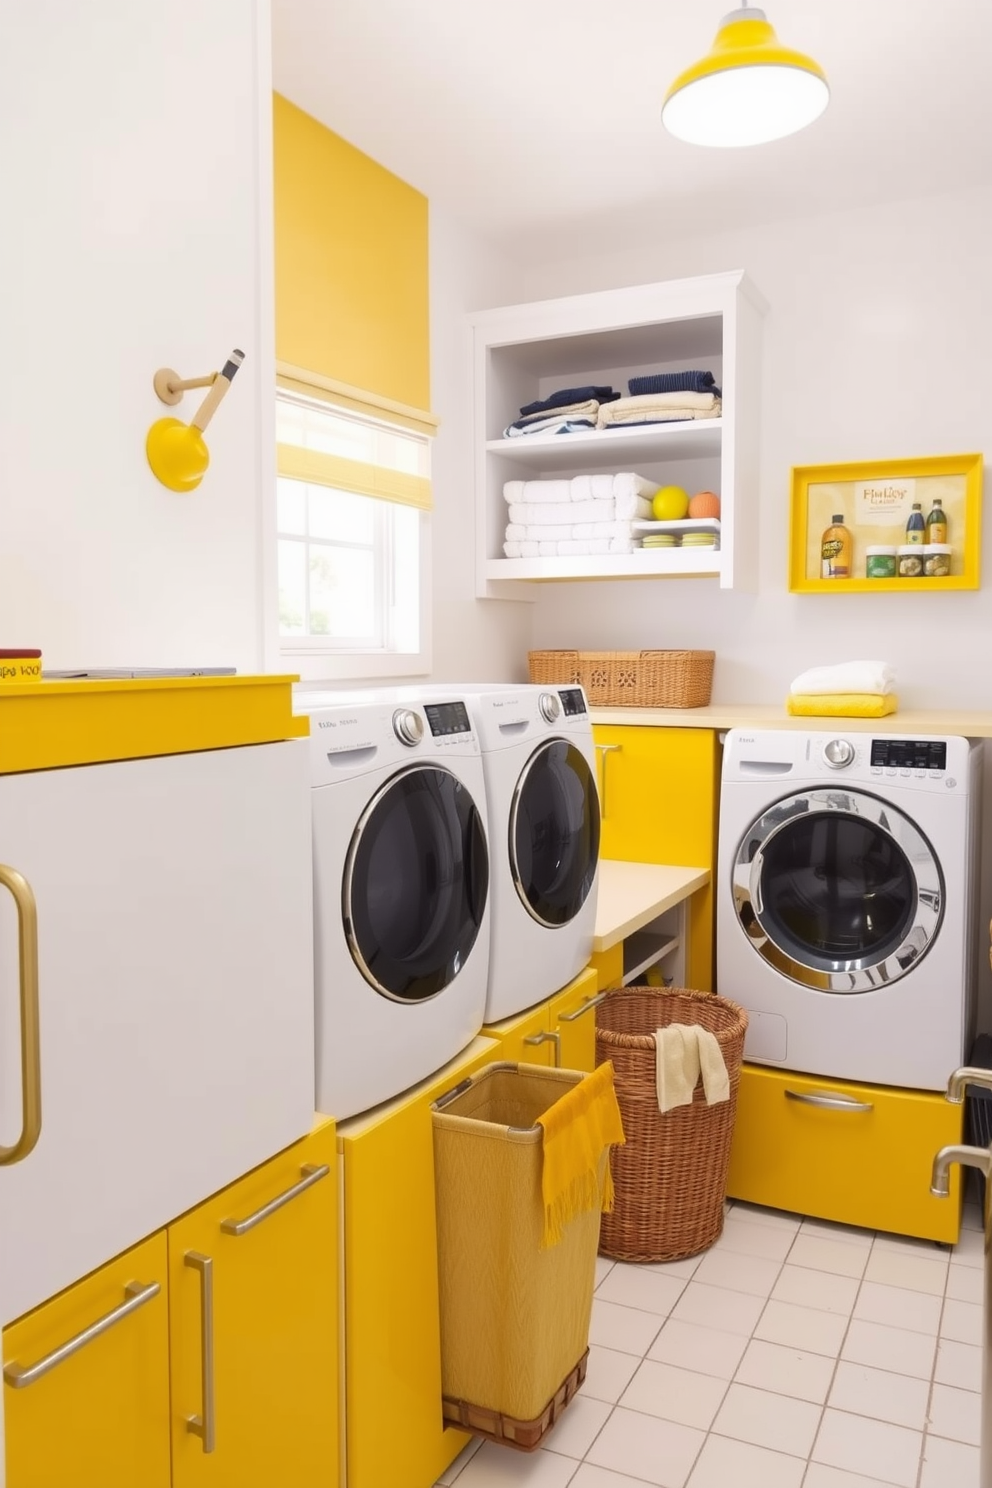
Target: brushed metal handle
(27, 935)
(586, 1007)
(603, 750)
(137, 1294)
(833, 1102)
(547, 1038)
(205, 1425)
(311, 1174)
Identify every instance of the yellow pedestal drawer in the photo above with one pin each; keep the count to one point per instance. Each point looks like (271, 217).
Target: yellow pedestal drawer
(855, 1154)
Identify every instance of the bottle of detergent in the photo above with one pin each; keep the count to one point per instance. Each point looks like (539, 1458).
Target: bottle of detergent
(835, 549)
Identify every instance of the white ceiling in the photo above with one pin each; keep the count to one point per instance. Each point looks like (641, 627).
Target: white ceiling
(538, 124)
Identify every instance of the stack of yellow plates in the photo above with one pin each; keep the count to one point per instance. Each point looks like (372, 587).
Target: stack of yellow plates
(660, 540)
(699, 540)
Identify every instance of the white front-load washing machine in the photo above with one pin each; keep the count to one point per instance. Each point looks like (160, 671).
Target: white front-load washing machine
(539, 762)
(846, 902)
(401, 892)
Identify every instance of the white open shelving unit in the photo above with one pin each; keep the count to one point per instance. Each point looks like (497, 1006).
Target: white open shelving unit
(525, 352)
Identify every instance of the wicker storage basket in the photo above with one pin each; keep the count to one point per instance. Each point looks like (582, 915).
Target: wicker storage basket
(514, 1316)
(630, 679)
(670, 1177)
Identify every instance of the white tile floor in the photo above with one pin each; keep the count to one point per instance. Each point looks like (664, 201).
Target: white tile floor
(793, 1354)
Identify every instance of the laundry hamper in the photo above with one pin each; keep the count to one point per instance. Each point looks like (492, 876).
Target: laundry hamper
(514, 1311)
(670, 1177)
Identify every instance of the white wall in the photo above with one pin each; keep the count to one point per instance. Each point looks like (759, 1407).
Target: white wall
(137, 232)
(875, 347)
(471, 641)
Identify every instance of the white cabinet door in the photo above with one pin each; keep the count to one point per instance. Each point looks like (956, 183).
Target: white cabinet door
(176, 987)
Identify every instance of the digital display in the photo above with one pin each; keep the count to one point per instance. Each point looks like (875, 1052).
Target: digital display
(447, 718)
(909, 754)
(572, 701)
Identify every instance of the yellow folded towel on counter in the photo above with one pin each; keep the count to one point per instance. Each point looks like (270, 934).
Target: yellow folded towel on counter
(686, 1052)
(841, 704)
(577, 1130)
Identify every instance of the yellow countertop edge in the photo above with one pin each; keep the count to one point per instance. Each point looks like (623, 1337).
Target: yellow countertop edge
(58, 724)
(968, 725)
(645, 891)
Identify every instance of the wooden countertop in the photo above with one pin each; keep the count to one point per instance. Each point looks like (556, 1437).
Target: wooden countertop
(977, 725)
(631, 895)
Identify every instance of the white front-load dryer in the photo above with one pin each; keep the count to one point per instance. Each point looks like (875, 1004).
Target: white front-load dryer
(846, 901)
(544, 824)
(401, 893)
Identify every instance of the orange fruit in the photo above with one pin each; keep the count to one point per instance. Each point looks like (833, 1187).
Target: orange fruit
(704, 504)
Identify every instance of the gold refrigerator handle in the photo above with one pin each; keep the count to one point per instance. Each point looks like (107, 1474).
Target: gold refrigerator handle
(27, 927)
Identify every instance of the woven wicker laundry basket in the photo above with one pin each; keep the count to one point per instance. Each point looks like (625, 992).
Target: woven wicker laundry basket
(514, 1315)
(670, 1177)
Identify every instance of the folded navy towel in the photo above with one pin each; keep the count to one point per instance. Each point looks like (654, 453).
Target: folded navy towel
(673, 382)
(564, 396)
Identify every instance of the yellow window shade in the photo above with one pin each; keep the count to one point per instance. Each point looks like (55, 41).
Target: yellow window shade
(307, 384)
(323, 443)
(352, 475)
(351, 264)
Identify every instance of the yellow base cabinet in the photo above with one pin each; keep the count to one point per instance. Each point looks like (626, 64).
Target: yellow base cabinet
(658, 790)
(855, 1154)
(253, 1272)
(225, 1337)
(395, 1436)
(560, 1031)
(95, 1415)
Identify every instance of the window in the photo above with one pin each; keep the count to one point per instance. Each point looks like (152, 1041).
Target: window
(352, 504)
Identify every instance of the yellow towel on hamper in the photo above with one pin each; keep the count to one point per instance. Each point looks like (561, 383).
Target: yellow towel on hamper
(841, 704)
(684, 1053)
(577, 1128)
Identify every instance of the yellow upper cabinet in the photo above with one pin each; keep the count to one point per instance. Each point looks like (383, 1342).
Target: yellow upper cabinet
(351, 244)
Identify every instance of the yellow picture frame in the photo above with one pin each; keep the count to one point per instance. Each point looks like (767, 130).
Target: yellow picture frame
(874, 498)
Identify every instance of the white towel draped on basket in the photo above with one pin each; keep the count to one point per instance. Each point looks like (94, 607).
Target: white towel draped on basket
(686, 1052)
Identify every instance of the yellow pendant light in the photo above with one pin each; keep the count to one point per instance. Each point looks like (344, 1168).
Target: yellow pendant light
(749, 89)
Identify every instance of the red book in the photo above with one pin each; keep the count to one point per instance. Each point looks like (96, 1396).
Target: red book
(17, 653)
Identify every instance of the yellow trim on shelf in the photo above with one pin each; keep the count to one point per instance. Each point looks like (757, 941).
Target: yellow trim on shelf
(53, 724)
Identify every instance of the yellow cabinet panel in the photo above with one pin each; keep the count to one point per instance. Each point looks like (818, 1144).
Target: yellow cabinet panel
(855, 1154)
(660, 789)
(274, 1318)
(395, 1434)
(100, 1417)
(572, 1015)
(524, 1038)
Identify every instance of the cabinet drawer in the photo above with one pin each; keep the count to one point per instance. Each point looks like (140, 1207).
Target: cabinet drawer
(855, 1154)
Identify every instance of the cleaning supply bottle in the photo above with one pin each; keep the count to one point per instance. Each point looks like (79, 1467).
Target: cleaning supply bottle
(835, 549)
(916, 527)
(936, 523)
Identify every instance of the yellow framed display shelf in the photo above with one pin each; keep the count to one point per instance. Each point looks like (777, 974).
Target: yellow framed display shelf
(875, 498)
(52, 724)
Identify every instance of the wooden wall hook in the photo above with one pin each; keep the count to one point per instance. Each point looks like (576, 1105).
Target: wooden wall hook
(169, 386)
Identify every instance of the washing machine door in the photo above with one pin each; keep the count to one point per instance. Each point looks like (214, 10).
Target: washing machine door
(838, 890)
(554, 833)
(416, 880)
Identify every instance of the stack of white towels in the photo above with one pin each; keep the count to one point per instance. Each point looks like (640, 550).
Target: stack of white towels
(587, 514)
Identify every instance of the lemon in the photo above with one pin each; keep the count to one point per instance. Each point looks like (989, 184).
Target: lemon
(670, 504)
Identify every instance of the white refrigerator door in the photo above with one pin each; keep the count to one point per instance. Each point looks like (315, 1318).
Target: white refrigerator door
(174, 900)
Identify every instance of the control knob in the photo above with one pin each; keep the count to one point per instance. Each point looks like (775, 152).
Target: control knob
(408, 726)
(550, 706)
(837, 753)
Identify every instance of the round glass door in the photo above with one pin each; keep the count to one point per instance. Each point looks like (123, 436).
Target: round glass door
(554, 833)
(416, 880)
(838, 890)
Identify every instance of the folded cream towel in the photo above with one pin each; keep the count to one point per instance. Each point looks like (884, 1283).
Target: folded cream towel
(537, 490)
(847, 676)
(686, 1052)
(592, 487)
(564, 513)
(657, 405)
